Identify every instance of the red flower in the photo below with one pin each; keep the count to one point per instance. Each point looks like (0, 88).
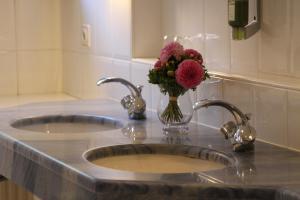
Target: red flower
(172, 49)
(189, 74)
(158, 65)
(193, 54)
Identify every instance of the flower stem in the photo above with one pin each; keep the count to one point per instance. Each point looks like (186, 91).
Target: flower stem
(172, 113)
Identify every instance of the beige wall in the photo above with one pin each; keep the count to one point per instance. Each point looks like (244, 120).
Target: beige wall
(30, 47)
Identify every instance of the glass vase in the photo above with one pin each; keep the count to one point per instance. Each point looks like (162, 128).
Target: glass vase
(175, 112)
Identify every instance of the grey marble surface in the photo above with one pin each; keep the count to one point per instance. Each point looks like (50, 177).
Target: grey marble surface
(53, 166)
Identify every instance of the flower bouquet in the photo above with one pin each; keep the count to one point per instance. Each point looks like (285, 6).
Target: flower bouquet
(176, 71)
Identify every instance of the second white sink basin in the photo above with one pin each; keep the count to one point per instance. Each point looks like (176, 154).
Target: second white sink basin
(158, 158)
(158, 163)
(67, 124)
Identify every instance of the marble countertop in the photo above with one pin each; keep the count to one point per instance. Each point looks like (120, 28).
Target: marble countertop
(52, 166)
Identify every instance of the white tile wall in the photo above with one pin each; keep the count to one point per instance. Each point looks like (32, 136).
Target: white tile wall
(139, 72)
(244, 56)
(70, 24)
(295, 38)
(103, 29)
(92, 72)
(175, 16)
(212, 116)
(155, 94)
(271, 55)
(39, 71)
(271, 114)
(30, 43)
(120, 69)
(7, 29)
(104, 66)
(275, 37)
(72, 71)
(143, 14)
(8, 68)
(38, 24)
(121, 28)
(88, 16)
(293, 119)
(217, 36)
(241, 94)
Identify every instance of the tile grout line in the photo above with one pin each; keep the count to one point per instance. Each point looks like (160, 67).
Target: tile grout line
(16, 47)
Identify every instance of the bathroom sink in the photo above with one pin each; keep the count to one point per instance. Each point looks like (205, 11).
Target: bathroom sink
(67, 124)
(158, 158)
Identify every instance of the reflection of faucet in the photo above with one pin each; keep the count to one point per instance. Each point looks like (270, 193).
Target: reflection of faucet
(136, 132)
(134, 103)
(242, 135)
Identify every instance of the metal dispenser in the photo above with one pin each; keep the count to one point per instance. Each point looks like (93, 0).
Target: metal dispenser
(244, 16)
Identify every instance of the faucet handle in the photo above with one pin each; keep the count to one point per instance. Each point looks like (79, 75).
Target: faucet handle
(140, 88)
(126, 102)
(228, 129)
(248, 115)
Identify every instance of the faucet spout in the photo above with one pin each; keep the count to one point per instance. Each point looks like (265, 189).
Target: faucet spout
(135, 91)
(134, 103)
(241, 134)
(236, 112)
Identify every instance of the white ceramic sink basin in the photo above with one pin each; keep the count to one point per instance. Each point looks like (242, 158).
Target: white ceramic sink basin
(157, 158)
(67, 124)
(157, 163)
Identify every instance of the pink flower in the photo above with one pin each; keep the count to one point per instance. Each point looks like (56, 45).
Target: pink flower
(189, 74)
(158, 65)
(172, 49)
(193, 54)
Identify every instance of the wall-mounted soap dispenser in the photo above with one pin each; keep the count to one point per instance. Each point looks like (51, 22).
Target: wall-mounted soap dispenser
(244, 16)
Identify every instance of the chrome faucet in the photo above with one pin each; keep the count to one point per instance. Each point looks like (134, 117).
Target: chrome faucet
(241, 134)
(134, 103)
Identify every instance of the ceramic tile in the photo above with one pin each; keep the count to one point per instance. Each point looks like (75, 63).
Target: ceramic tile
(91, 73)
(175, 17)
(293, 119)
(168, 22)
(155, 94)
(72, 74)
(39, 71)
(275, 37)
(217, 36)
(271, 114)
(212, 116)
(295, 16)
(103, 28)
(242, 96)
(88, 10)
(147, 40)
(121, 23)
(38, 24)
(70, 24)
(244, 56)
(8, 73)
(95, 67)
(189, 11)
(139, 76)
(120, 69)
(102, 69)
(7, 21)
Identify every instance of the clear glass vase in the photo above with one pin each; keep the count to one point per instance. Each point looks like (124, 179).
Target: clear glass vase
(175, 112)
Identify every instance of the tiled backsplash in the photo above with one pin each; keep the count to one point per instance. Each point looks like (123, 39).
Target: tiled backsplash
(264, 61)
(30, 47)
